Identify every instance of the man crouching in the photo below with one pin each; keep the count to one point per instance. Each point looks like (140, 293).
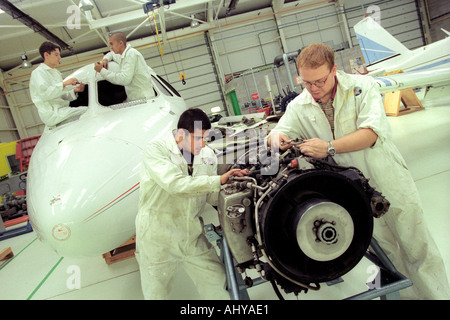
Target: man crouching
(179, 177)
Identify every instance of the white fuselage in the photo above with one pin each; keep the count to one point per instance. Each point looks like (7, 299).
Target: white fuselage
(83, 178)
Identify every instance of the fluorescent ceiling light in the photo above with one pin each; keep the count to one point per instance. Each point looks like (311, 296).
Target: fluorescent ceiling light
(25, 63)
(194, 23)
(86, 5)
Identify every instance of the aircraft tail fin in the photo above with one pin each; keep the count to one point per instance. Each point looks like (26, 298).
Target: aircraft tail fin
(375, 42)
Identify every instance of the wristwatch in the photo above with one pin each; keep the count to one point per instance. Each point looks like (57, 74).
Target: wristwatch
(331, 150)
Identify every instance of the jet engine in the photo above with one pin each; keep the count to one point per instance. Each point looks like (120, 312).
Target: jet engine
(309, 221)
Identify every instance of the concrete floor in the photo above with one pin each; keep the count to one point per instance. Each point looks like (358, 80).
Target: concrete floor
(36, 272)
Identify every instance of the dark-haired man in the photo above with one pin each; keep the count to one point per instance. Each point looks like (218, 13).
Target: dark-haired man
(168, 230)
(134, 72)
(49, 93)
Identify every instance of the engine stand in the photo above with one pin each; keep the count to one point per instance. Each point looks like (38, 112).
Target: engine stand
(391, 281)
(235, 285)
(388, 281)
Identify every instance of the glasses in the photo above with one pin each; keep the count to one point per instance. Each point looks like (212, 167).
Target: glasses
(318, 83)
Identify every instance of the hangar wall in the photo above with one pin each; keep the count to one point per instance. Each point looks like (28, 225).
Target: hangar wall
(190, 56)
(238, 54)
(247, 50)
(8, 130)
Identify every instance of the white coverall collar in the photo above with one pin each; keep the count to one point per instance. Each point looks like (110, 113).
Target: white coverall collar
(171, 143)
(345, 84)
(118, 57)
(46, 67)
(126, 50)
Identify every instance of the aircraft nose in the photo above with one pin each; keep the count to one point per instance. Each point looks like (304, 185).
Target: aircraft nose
(83, 197)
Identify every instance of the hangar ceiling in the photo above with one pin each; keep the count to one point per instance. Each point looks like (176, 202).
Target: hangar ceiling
(243, 37)
(25, 24)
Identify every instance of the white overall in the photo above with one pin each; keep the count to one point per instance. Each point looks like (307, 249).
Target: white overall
(168, 230)
(401, 232)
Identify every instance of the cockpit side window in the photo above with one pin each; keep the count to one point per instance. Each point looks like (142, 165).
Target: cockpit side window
(161, 87)
(168, 85)
(110, 94)
(82, 98)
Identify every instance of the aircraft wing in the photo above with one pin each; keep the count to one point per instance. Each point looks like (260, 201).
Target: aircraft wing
(425, 66)
(414, 79)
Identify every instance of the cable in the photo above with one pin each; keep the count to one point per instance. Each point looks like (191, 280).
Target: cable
(277, 291)
(157, 33)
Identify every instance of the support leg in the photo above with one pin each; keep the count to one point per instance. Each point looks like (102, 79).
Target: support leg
(391, 281)
(235, 284)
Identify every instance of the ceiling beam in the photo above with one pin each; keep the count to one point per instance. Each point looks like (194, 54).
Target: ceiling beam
(139, 14)
(89, 15)
(34, 25)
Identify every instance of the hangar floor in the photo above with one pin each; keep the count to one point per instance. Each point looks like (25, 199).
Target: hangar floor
(38, 273)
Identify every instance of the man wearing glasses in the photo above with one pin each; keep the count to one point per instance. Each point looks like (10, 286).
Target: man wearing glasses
(342, 116)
